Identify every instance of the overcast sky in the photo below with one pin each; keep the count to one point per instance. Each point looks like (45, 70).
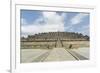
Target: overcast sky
(33, 22)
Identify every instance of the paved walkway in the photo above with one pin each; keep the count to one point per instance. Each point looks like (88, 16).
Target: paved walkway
(55, 54)
(59, 54)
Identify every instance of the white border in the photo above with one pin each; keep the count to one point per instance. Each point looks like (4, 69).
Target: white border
(15, 53)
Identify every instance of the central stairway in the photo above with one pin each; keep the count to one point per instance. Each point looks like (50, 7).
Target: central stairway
(59, 43)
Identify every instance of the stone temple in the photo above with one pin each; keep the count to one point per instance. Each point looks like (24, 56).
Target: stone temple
(55, 39)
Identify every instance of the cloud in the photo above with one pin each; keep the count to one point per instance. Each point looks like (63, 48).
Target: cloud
(78, 18)
(48, 22)
(23, 21)
(52, 22)
(85, 30)
(78, 24)
(52, 18)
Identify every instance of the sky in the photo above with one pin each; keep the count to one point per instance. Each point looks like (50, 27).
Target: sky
(33, 22)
